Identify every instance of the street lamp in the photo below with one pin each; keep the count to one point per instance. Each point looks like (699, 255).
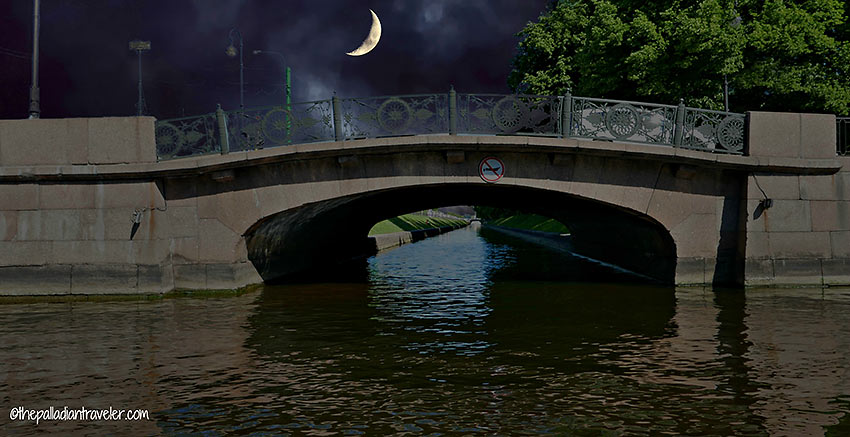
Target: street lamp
(734, 23)
(139, 47)
(35, 110)
(287, 90)
(231, 51)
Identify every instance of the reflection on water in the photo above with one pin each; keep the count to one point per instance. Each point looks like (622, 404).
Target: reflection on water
(462, 333)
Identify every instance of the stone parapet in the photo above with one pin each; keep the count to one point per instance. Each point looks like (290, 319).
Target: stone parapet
(77, 141)
(791, 135)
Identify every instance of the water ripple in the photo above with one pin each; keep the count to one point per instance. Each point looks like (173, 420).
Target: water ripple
(456, 334)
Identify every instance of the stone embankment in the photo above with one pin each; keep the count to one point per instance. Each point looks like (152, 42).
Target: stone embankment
(396, 239)
(558, 242)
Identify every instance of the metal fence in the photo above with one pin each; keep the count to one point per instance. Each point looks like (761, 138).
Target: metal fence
(508, 114)
(187, 136)
(456, 114)
(374, 117)
(273, 126)
(842, 131)
(713, 130)
(622, 121)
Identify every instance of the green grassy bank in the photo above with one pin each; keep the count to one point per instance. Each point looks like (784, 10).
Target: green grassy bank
(531, 222)
(412, 222)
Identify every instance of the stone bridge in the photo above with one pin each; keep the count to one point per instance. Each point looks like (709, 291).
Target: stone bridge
(86, 206)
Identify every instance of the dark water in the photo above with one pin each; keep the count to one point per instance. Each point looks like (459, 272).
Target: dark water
(459, 334)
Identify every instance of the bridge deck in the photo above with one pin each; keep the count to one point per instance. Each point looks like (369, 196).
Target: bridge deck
(217, 162)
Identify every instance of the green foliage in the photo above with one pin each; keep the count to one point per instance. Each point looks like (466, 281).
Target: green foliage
(412, 222)
(779, 55)
(532, 222)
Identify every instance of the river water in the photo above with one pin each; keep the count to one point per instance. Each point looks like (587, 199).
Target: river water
(466, 333)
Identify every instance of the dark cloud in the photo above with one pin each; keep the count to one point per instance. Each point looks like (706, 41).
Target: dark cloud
(87, 69)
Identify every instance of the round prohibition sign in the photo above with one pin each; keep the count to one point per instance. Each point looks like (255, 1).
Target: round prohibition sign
(491, 169)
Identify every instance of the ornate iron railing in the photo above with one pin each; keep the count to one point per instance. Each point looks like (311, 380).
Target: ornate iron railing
(621, 121)
(476, 114)
(273, 126)
(415, 114)
(512, 114)
(713, 131)
(187, 136)
(842, 131)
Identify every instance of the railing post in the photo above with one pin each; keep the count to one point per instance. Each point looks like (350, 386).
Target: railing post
(678, 130)
(223, 137)
(287, 116)
(335, 106)
(842, 146)
(566, 114)
(452, 111)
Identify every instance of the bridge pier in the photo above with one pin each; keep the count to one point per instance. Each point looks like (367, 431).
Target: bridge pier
(798, 223)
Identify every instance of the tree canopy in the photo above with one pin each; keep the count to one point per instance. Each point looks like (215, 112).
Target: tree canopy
(778, 55)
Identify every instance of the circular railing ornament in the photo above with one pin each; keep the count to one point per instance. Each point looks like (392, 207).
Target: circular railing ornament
(394, 115)
(622, 120)
(510, 114)
(168, 139)
(277, 125)
(730, 133)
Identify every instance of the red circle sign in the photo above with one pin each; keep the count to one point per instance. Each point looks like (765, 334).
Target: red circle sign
(491, 169)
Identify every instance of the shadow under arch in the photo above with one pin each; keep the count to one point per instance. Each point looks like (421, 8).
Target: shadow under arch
(320, 236)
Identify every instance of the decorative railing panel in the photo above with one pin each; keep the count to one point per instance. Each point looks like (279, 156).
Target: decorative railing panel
(508, 114)
(713, 131)
(479, 114)
(186, 136)
(622, 121)
(842, 130)
(373, 117)
(274, 126)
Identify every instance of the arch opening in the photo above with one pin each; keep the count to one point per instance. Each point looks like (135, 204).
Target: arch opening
(323, 235)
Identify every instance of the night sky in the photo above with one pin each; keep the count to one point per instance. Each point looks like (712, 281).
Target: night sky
(87, 69)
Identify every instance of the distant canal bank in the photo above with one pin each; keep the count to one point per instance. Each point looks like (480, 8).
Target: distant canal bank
(552, 240)
(396, 239)
(415, 222)
(533, 228)
(410, 228)
(561, 243)
(467, 332)
(531, 222)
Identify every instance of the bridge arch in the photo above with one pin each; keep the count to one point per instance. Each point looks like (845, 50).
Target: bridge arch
(643, 210)
(324, 233)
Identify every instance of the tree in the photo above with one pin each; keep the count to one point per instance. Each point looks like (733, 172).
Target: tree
(779, 55)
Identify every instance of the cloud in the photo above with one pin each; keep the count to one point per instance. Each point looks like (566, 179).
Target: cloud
(216, 13)
(433, 13)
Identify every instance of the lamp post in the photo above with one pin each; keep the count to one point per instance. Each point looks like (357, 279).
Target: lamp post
(231, 51)
(734, 25)
(35, 110)
(139, 47)
(287, 90)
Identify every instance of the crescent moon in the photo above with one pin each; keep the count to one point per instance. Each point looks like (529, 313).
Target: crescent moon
(371, 40)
